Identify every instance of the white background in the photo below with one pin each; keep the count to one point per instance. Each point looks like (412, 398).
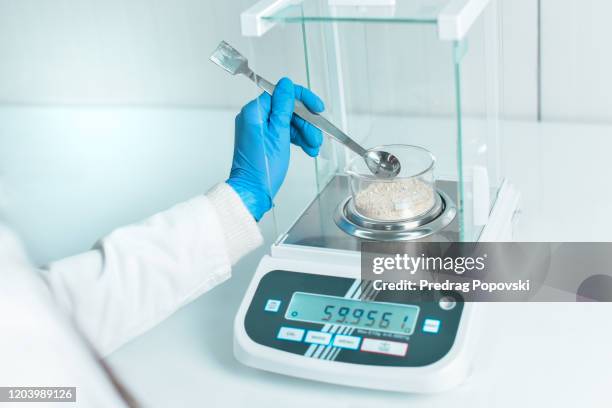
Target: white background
(106, 107)
(152, 52)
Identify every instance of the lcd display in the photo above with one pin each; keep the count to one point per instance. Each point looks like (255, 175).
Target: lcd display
(360, 314)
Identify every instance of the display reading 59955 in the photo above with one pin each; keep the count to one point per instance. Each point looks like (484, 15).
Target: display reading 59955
(37, 394)
(379, 316)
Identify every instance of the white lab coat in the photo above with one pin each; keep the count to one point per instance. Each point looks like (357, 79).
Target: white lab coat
(55, 321)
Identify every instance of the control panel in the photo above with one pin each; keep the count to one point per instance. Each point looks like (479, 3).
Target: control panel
(347, 320)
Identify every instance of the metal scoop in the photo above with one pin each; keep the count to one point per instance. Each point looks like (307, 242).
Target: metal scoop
(381, 164)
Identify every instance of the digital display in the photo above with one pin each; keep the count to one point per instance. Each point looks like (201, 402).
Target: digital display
(360, 314)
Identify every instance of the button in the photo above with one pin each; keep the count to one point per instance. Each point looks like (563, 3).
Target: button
(447, 303)
(290, 333)
(392, 348)
(272, 305)
(431, 326)
(348, 342)
(318, 337)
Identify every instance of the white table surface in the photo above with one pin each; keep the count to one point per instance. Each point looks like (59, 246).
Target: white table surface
(532, 355)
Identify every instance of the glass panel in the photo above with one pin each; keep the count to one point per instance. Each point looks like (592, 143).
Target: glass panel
(265, 58)
(477, 86)
(385, 84)
(413, 11)
(400, 84)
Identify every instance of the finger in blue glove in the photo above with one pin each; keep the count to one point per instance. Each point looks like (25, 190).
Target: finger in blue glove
(265, 127)
(303, 134)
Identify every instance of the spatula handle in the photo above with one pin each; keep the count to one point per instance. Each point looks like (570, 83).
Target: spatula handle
(315, 119)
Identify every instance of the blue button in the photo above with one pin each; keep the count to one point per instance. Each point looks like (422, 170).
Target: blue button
(272, 305)
(318, 337)
(347, 342)
(290, 333)
(431, 326)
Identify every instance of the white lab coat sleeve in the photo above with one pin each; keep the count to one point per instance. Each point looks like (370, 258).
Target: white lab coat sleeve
(39, 346)
(140, 274)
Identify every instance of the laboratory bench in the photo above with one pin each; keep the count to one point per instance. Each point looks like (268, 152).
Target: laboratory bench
(77, 174)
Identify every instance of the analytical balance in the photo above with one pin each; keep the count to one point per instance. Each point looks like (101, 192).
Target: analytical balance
(307, 312)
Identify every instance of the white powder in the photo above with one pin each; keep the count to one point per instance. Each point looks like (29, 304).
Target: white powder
(396, 200)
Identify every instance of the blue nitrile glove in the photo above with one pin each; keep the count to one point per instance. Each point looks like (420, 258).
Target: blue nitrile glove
(264, 129)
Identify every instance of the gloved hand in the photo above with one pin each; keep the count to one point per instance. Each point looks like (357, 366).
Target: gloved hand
(264, 130)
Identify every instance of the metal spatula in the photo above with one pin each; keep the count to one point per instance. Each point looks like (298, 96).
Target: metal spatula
(381, 164)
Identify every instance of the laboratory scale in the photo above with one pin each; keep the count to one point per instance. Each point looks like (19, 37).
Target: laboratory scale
(307, 312)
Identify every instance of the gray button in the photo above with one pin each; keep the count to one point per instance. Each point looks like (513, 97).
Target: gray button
(447, 303)
(272, 305)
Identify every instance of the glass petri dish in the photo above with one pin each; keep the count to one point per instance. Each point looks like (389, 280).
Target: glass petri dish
(410, 195)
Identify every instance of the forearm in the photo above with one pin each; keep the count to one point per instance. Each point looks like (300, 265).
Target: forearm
(140, 274)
